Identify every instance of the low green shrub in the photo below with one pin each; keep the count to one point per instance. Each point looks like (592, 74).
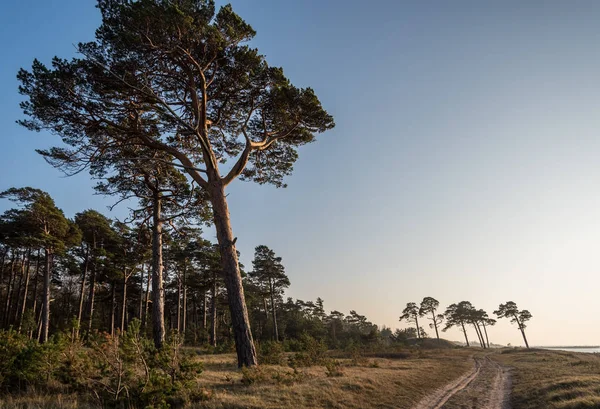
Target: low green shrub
(271, 353)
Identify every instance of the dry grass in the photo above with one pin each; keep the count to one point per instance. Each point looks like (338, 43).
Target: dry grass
(553, 379)
(396, 381)
(377, 382)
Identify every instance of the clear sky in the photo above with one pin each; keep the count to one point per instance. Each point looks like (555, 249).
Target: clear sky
(465, 164)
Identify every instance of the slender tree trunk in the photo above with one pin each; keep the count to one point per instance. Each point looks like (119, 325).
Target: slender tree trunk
(479, 334)
(17, 293)
(91, 297)
(82, 290)
(147, 301)
(4, 253)
(25, 291)
(35, 294)
(39, 325)
(124, 309)
(437, 334)
(418, 328)
(273, 312)
(204, 310)
(184, 311)
(264, 329)
(486, 335)
(195, 317)
(213, 312)
(522, 331)
(244, 344)
(9, 290)
(179, 304)
(46, 297)
(158, 290)
(465, 332)
(525, 338)
(141, 307)
(113, 307)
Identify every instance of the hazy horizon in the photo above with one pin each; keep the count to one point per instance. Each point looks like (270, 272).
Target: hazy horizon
(463, 165)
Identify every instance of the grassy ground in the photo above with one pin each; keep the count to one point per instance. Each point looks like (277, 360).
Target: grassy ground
(391, 380)
(553, 379)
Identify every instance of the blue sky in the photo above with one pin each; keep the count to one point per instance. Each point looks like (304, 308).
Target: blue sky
(464, 164)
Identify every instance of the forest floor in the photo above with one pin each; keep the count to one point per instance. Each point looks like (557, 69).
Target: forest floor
(462, 378)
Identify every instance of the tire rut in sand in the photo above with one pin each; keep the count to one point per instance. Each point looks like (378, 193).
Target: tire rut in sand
(486, 386)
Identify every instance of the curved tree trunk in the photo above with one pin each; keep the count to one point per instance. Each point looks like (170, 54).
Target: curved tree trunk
(158, 289)
(244, 344)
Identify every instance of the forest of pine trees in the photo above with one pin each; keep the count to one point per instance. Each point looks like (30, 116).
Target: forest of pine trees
(95, 274)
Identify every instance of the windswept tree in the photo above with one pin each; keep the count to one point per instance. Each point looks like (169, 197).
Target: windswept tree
(429, 307)
(410, 314)
(516, 316)
(193, 89)
(53, 231)
(458, 315)
(269, 275)
(486, 321)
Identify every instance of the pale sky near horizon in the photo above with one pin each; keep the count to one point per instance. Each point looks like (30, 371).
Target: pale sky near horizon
(464, 164)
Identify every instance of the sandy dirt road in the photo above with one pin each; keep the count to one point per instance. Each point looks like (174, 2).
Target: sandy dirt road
(486, 386)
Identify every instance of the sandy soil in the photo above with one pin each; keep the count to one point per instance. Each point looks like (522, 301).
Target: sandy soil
(486, 386)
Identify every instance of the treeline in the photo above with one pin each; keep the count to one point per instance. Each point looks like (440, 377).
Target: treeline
(93, 274)
(461, 315)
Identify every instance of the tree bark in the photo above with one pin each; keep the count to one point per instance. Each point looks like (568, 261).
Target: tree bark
(141, 307)
(179, 304)
(524, 338)
(435, 325)
(184, 311)
(204, 310)
(124, 309)
(522, 331)
(418, 328)
(91, 297)
(479, 334)
(5, 313)
(17, 293)
(244, 344)
(82, 290)
(26, 290)
(213, 312)
(158, 290)
(486, 335)
(46, 297)
(147, 301)
(113, 308)
(465, 333)
(273, 312)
